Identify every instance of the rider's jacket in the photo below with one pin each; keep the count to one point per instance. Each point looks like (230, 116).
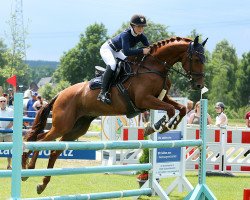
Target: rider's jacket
(125, 41)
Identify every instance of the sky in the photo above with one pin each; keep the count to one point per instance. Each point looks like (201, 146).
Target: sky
(54, 26)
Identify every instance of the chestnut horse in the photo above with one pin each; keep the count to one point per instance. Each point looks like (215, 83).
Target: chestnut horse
(77, 106)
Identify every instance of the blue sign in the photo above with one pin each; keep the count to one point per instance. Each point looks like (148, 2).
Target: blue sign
(168, 154)
(66, 154)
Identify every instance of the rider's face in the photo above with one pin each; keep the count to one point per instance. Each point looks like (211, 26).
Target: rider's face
(138, 29)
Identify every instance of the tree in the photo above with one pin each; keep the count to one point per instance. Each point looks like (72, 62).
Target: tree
(3, 49)
(14, 66)
(78, 63)
(224, 63)
(40, 72)
(243, 80)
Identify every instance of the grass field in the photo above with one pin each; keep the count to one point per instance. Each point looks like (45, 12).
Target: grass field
(224, 188)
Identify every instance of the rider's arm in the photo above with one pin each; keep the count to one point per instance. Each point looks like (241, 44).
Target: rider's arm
(127, 49)
(144, 40)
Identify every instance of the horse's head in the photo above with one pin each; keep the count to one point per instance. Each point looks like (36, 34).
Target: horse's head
(193, 63)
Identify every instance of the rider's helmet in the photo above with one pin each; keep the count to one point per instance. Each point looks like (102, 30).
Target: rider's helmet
(220, 105)
(138, 20)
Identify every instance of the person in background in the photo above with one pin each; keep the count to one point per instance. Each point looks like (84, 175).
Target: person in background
(247, 118)
(221, 118)
(11, 97)
(195, 117)
(190, 110)
(30, 110)
(6, 112)
(39, 103)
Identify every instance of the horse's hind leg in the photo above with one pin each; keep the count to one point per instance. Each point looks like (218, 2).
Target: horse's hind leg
(32, 163)
(52, 159)
(80, 128)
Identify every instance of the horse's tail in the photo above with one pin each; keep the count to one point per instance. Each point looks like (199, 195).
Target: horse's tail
(40, 121)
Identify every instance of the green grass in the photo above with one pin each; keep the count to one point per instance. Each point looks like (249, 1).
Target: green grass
(237, 122)
(224, 188)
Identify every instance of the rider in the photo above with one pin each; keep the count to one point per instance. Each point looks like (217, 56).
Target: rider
(221, 118)
(120, 47)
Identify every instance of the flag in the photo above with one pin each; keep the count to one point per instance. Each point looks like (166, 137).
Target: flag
(204, 90)
(12, 80)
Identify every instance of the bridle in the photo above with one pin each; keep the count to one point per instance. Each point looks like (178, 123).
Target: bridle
(190, 74)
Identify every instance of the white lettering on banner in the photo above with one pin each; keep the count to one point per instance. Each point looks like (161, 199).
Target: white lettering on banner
(70, 154)
(168, 169)
(66, 153)
(5, 152)
(46, 152)
(164, 138)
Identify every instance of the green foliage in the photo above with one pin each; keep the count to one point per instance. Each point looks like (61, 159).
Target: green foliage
(78, 64)
(243, 81)
(144, 157)
(40, 72)
(40, 63)
(225, 63)
(13, 65)
(48, 91)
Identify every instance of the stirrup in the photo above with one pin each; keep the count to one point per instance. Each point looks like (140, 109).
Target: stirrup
(104, 98)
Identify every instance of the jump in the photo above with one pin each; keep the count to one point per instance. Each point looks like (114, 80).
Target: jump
(147, 86)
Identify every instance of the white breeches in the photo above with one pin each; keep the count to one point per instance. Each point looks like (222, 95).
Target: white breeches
(109, 55)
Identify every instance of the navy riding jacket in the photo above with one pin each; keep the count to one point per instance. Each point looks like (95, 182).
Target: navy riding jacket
(126, 41)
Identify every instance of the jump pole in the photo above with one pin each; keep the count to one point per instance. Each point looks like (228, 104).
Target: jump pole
(201, 191)
(17, 148)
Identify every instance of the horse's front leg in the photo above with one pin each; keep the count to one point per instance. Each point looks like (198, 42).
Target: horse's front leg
(178, 117)
(162, 125)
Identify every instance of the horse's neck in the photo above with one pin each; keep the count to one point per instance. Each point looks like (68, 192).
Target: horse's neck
(171, 53)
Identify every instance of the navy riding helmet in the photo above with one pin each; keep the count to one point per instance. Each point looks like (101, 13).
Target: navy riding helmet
(138, 20)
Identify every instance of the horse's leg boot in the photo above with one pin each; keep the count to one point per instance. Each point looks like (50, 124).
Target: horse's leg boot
(104, 93)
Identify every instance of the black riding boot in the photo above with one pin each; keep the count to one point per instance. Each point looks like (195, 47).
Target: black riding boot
(104, 93)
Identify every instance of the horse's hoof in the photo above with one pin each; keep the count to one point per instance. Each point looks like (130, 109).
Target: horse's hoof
(39, 189)
(148, 130)
(164, 130)
(24, 178)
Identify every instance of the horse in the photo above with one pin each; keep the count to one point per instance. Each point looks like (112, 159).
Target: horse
(77, 106)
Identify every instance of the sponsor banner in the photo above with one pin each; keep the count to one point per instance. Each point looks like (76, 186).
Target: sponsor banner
(66, 154)
(168, 159)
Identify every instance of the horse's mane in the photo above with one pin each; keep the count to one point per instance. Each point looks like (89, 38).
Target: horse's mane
(155, 46)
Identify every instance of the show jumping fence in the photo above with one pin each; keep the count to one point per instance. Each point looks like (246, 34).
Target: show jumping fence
(201, 191)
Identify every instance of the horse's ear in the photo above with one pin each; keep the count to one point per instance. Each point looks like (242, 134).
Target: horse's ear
(204, 42)
(196, 40)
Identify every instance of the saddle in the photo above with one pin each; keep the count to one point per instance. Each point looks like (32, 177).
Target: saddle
(122, 73)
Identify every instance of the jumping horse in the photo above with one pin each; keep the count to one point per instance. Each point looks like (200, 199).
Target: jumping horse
(77, 106)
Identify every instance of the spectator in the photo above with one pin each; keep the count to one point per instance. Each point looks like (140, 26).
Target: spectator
(11, 97)
(6, 112)
(190, 110)
(39, 103)
(247, 117)
(221, 118)
(195, 117)
(30, 110)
